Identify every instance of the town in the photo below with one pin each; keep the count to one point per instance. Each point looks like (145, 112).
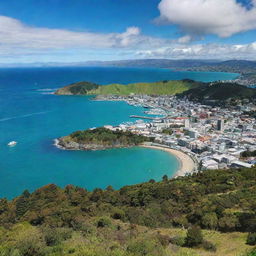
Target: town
(214, 137)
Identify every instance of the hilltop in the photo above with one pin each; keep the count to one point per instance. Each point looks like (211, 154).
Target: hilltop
(155, 88)
(79, 88)
(152, 218)
(220, 92)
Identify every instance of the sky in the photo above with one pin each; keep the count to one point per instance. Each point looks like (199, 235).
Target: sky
(68, 31)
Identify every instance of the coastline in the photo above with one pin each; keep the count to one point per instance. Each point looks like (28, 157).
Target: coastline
(187, 165)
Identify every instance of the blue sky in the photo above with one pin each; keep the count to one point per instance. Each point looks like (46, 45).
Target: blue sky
(81, 30)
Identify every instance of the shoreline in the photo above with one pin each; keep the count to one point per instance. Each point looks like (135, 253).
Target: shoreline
(187, 165)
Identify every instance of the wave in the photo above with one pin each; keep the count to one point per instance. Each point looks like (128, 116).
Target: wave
(46, 89)
(23, 116)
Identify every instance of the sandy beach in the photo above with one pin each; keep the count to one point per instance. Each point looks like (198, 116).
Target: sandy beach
(187, 164)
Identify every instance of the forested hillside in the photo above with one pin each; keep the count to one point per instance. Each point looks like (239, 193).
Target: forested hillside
(153, 218)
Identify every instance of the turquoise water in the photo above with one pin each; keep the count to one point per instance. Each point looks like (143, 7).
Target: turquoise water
(31, 116)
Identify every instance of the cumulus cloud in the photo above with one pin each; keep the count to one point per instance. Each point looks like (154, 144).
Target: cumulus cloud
(200, 17)
(16, 37)
(23, 43)
(203, 51)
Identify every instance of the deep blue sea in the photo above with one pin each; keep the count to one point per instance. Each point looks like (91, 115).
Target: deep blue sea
(34, 118)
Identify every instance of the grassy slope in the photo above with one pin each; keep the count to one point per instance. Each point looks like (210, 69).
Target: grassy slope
(106, 241)
(156, 88)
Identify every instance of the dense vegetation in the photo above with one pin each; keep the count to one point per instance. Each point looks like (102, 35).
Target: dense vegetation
(248, 153)
(156, 88)
(220, 92)
(251, 113)
(79, 88)
(103, 137)
(144, 219)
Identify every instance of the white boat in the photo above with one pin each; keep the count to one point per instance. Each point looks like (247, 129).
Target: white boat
(12, 143)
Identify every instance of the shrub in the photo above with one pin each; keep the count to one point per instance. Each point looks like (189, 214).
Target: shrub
(55, 236)
(209, 246)
(210, 220)
(251, 253)
(178, 240)
(31, 246)
(194, 237)
(118, 214)
(251, 239)
(163, 239)
(146, 246)
(103, 222)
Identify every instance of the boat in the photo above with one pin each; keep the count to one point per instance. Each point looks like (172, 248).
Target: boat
(12, 143)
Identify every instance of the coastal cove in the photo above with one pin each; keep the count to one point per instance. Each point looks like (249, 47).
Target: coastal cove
(34, 117)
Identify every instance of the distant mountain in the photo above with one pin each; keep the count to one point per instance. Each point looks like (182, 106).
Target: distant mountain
(220, 65)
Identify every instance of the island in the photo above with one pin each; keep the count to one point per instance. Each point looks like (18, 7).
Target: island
(101, 138)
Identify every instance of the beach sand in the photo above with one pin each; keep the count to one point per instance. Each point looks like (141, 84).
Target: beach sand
(187, 165)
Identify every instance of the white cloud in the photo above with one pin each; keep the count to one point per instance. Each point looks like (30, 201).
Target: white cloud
(199, 17)
(17, 38)
(203, 51)
(22, 43)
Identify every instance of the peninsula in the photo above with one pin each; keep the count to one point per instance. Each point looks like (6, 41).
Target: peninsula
(154, 88)
(100, 138)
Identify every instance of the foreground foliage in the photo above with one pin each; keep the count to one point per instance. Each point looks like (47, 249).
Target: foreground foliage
(145, 219)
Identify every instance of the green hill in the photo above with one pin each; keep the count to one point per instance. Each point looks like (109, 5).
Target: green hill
(80, 88)
(220, 92)
(155, 88)
(153, 218)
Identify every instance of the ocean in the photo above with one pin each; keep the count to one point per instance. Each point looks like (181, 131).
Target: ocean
(32, 116)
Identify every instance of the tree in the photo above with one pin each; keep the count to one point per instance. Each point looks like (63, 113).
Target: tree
(210, 220)
(21, 206)
(165, 178)
(194, 236)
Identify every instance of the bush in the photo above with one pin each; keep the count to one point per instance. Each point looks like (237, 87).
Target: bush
(178, 240)
(194, 237)
(31, 246)
(209, 246)
(103, 222)
(251, 239)
(210, 220)
(55, 236)
(251, 253)
(163, 239)
(145, 246)
(118, 214)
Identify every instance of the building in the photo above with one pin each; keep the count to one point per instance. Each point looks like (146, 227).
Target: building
(220, 125)
(187, 123)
